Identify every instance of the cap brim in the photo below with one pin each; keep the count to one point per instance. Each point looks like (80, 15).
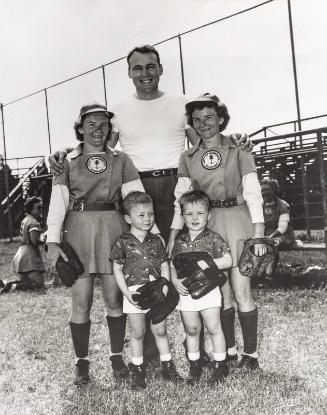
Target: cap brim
(200, 101)
(93, 110)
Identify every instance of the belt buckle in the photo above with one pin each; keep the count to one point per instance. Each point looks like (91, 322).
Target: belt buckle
(79, 206)
(156, 173)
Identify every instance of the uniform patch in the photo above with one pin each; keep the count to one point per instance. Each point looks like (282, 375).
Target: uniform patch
(268, 211)
(96, 164)
(211, 159)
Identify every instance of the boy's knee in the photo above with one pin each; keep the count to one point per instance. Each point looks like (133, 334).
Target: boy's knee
(159, 331)
(139, 333)
(193, 330)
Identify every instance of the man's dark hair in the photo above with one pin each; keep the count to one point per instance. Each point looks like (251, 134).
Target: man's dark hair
(30, 202)
(136, 198)
(194, 196)
(144, 49)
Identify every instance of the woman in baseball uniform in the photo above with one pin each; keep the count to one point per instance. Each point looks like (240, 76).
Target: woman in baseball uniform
(84, 211)
(228, 176)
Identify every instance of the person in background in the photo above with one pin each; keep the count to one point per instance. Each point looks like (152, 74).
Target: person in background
(85, 211)
(28, 261)
(276, 214)
(228, 176)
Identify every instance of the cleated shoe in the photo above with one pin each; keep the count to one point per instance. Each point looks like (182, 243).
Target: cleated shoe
(119, 368)
(168, 371)
(82, 372)
(248, 363)
(231, 357)
(137, 376)
(219, 371)
(195, 372)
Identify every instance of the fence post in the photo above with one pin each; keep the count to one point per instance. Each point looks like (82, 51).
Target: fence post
(322, 177)
(182, 63)
(48, 121)
(104, 85)
(6, 168)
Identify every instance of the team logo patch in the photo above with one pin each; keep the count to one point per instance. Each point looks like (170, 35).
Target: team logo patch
(211, 159)
(268, 211)
(96, 164)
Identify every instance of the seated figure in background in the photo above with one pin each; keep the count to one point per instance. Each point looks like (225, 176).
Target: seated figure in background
(276, 214)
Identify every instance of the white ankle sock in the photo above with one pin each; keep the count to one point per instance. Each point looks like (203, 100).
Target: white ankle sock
(255, 354)
(219, 357)
(193, 356)
(232, 351)
(81, 358)
(137, 360)
(165, 357)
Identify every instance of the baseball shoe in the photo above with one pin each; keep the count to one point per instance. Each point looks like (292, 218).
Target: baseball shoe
(248, 363)
(82, 372)
(137, 376)
(231, 357)
(2, 284)
(204, 357)
(119, 368)
(194, 372)
(219, 371)
(168, 371)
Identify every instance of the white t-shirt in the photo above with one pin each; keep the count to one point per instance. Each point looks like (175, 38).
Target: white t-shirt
(152, 132)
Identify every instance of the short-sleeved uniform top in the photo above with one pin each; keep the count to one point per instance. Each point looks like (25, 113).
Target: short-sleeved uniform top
(272, 212)
(140, 260)
(28, 257)
(94, 178)
(218, 171)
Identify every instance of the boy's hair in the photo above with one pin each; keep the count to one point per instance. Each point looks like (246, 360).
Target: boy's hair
(136, 198)
(30, 202)
(143, 49)
(194, 196)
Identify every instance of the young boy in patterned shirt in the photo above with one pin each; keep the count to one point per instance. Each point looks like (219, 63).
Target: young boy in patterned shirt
(139, 257)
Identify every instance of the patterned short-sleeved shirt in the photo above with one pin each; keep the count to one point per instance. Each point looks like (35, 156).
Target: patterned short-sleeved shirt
(140, 260)
(207, 241)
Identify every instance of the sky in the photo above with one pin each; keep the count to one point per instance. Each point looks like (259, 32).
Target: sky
(246, 60)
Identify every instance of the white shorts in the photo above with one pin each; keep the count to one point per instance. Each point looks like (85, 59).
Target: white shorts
(210, 300)
(129, 308)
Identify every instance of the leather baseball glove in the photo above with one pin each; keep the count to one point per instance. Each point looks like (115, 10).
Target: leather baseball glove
(198, 281)
(69, 271)
(151, 296)
(251, 265)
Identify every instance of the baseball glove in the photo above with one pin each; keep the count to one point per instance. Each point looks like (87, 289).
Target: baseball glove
(150, 293)
(70, 270)
(150, 296)
(251, 265)
(198, 281)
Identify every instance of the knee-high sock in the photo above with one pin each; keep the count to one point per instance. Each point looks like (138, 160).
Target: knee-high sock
(81, 336)
(202, 337)
(228, 325)
(117, 327)
(249, 324)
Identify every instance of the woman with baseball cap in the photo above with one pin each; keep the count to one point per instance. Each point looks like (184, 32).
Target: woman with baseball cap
(228, 176)
(84, 211)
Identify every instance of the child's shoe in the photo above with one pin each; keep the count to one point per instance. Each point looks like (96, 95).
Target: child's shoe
(137, 376)
(204, 357)
(231, 357)
(119, 368)
(82, 372)
(248, 363)
(1, 284)
(195, 372)
(169, 372)
(219, 371)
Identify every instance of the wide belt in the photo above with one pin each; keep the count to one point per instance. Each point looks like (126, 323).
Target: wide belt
(227, 203)
(157, 173)
(92, 207)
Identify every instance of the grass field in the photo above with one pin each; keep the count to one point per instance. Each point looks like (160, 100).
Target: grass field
(36, 360)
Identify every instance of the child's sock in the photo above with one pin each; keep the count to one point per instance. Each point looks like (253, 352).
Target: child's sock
(219, 357)
(117, 327)
(227, 323)
(193, 356)
(165, 357)
(137, 361)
